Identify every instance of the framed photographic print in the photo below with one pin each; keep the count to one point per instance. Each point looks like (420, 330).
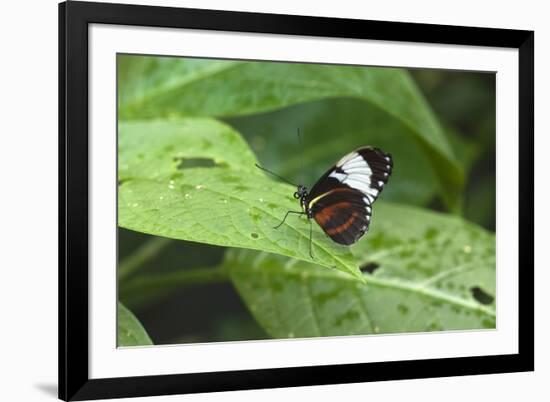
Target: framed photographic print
(257, 200)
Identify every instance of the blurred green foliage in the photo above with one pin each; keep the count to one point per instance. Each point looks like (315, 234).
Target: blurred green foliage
(199, 260)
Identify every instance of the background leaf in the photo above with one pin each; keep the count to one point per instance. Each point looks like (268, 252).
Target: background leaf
(130, 332)
(424, 271)
(332, 128)
(231, 203)
(163, 87)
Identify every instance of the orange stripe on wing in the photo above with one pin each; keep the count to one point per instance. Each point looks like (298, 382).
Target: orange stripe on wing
(344, 226)
(326, 214)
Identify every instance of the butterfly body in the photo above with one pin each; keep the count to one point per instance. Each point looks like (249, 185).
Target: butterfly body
(341, 200)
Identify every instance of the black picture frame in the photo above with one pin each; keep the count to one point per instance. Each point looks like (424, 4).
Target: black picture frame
(74, 18)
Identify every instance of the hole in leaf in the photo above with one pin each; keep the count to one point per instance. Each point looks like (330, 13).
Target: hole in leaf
(481, 296)
(187, 163)
(369, 267)
(254, 235)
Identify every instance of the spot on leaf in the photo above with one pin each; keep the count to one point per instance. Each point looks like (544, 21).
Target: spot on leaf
(402, 309)
(431, 233)
(187, 163)
(176, 176)
(323, 297)
(349, 315)
(481, 296)
(369, 267)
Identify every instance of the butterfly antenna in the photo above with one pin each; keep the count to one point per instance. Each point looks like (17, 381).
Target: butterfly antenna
(301, 143)
(276, 175)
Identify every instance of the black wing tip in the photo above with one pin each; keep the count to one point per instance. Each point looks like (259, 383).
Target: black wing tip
(379, 161)
(379, 152)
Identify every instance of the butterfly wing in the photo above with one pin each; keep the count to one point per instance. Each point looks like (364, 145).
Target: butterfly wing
(342, 214)
(341, 200)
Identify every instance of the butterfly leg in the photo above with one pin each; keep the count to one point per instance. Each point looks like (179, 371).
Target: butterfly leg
(284, 219)
(310, 235)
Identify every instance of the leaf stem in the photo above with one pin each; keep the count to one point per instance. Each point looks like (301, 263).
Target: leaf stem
(146, 252)
(175, 279)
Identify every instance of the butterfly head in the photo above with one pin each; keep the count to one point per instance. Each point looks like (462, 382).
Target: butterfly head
(301, 192)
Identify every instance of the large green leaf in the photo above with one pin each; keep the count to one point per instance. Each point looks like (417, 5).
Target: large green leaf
(130, 332)
(165, 87)
(228, 203)
(424, 271)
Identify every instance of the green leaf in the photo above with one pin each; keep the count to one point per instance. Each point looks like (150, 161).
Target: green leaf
(229, 203)
(157, 149)
(162, 87)
(428, 272)
(130, 332)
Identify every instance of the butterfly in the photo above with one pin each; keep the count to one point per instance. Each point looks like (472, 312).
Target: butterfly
(341, 200)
